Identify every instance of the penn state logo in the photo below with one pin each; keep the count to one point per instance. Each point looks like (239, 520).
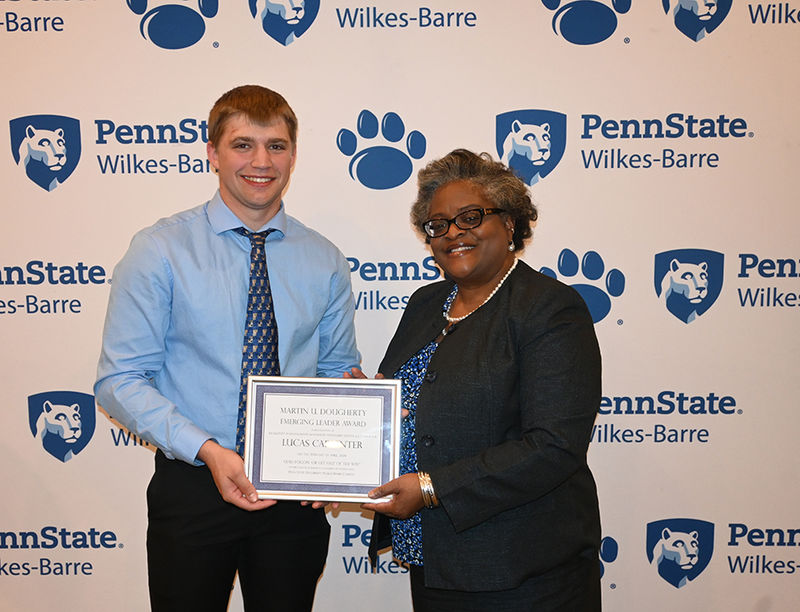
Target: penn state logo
(531, 142)
(62, 421)
(285, 20)
(600, 284)
(696, 18)
(586, 22)
(680, 549)
(688, 281)
(173, 26)
(48, 147)
(381, 166)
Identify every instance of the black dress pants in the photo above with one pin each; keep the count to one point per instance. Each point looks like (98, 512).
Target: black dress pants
(572, 587)
(196, 542)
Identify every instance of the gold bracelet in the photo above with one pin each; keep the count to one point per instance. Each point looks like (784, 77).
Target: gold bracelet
(426, 498)
(426, 487)
(423, 487)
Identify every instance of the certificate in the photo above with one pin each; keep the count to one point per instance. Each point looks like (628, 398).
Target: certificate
(321, 439)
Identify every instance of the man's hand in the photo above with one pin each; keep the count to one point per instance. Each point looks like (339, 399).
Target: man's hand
(320, 504)
(227, 468)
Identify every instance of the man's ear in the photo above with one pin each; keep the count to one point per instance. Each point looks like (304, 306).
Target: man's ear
(211, 152)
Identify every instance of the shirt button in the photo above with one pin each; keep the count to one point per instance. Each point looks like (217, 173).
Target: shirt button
(427, 441)
(431, 376)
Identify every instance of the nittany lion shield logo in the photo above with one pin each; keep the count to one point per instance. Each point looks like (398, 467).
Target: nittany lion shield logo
(285, 20)
(696, 18)
(688, 281)
(62, 421)
(531, 142)
(680, 549)
(48, 147)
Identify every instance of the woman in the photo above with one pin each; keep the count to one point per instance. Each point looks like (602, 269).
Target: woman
(496, 508)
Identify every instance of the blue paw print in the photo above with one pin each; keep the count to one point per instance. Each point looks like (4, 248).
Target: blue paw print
(592, 268)
(609, 549)
(586, 22)
(173, 26)
(380, 166)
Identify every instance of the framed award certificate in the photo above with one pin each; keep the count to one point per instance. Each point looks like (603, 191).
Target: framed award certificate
(321, 439)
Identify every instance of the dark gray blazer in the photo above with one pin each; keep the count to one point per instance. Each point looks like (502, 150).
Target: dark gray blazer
(504, 419)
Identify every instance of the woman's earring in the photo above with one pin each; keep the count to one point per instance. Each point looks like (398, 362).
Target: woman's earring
(510, 246)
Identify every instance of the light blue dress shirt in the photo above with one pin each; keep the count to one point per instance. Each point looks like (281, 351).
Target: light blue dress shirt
(171, 359)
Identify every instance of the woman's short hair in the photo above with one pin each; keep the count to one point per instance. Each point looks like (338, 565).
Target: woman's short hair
(258, 104)
(500, 186)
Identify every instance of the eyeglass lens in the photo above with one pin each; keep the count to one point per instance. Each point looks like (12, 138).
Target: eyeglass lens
(469, 219)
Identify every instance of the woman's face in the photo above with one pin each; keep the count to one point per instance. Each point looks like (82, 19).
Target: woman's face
(472, 257)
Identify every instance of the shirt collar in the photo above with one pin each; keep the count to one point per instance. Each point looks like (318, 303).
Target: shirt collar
(222, 218)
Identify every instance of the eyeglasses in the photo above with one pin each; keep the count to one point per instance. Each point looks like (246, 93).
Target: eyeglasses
(469, 219)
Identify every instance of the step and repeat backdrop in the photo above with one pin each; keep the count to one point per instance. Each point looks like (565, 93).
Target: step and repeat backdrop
(661, 143)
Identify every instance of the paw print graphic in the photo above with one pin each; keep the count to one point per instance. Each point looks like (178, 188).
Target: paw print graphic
(173, 26)
(592, 267)
(381, 166)
(586, 22)
(609, 549)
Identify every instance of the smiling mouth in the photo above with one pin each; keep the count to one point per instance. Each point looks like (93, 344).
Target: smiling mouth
(459, 250)
(258, 179)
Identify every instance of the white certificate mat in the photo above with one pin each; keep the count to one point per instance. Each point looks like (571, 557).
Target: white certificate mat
(329, 439)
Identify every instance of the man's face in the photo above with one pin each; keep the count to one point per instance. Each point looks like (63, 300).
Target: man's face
(254, 163)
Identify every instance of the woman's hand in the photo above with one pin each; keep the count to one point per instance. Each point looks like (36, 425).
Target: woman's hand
(406, 497)
(357, 373)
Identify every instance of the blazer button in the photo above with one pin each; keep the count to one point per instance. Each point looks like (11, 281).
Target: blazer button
(427, 441)
(431, 376)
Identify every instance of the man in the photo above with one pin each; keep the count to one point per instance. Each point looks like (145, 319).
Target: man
(172, 364)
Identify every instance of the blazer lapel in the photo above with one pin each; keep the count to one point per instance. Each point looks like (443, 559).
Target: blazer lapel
(414, 332)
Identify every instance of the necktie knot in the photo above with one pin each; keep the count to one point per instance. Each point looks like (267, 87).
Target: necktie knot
(256, 238)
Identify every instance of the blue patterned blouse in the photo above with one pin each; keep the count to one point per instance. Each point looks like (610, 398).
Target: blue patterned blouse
(407, 533)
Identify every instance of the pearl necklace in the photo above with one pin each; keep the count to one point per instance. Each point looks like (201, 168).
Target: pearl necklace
(450, 319)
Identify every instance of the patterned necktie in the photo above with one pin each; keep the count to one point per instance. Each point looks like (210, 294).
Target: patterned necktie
(260, 346)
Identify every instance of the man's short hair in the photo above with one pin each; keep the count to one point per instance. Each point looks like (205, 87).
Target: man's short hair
(258, 104)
